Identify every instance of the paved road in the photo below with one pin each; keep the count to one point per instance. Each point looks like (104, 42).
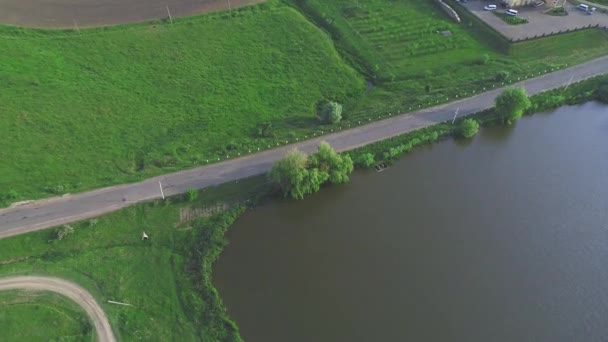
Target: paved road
(60, 210)
(67, 289)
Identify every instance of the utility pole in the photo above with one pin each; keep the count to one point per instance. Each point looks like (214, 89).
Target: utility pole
(569, 82)
(161, 190)
(455, 114)
(76, 26)
(169, 13)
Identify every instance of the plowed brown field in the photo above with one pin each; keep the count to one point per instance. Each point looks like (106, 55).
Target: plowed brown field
(68, 13)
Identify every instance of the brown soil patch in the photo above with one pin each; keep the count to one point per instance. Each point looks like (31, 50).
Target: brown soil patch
(68, 13)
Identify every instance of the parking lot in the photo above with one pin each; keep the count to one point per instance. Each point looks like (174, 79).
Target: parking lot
(538, 21)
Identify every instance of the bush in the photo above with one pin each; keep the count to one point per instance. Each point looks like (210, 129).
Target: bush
(511, 104)
(55, 189)
(468, 128)
(601, 93)
(265, 130)
(366, 160)
(330, 112)
(64, 231)
(192, 195)
(484, 59)
(501, 75)
(11, 194)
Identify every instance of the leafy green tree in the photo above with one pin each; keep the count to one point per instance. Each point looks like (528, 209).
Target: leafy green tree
(337, 167)
(511, 104)
(366, 159)
(330, 112)
(468, 128)
(293, 176)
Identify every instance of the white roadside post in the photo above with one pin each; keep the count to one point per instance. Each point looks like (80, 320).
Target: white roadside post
(161, 190)
(169, 13)
(569, 82)
(455, 114)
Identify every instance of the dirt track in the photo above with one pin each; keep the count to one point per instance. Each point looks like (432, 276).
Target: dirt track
(69, 290)
(65, 13)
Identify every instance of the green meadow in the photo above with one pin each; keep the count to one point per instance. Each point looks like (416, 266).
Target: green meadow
(166, 279)
(102, 106)
(113, 105)
(42, 316)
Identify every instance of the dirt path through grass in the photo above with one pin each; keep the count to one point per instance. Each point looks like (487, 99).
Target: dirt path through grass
(69, 13)
(69, 290)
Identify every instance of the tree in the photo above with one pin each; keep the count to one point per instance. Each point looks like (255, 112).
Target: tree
(337, 167)
(468, 128)
(511, 104)
(294, 178)
(366, 159)
(330, 112)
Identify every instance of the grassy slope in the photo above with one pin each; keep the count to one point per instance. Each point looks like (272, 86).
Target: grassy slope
(42, 316)
(398, 44)
(118, 104)
(166, 278)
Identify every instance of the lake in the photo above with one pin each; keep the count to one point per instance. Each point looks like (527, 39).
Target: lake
(501, 238)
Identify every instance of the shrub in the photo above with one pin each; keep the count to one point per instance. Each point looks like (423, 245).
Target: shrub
(192, 195)
(366, 160)
(330, 112)
(55, 189)
(468, 128)
(511, 104)
(64, 231)
(264, 130)
(484, 59)
(501, 75)
(11, 194)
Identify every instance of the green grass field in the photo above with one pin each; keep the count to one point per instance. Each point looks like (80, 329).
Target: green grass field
(119, 104)
(103, 106)
(167, 278)
(42, 316)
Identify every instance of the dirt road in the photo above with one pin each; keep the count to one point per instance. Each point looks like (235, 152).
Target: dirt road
(69, 13)
(69, 290)
(60, 210)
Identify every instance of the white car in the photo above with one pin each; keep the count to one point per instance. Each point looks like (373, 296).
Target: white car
(583, 7)
(490, 7)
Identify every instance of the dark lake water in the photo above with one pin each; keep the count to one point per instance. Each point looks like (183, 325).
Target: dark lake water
(504, 238)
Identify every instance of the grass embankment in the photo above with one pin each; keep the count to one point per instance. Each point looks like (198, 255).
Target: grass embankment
(42, 316)
(167, 278)
(103, 106)
(400, 45)
(112, 105)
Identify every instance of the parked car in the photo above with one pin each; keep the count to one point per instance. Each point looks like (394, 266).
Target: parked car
(511, 12)
(489, 7)
(583, 7)
(591, 11)
(538, 4)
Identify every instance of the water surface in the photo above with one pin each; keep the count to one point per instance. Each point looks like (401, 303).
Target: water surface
(504, 238)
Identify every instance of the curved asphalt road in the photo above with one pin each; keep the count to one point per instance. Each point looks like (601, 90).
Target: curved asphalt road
(67, 289)
(60, 210)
